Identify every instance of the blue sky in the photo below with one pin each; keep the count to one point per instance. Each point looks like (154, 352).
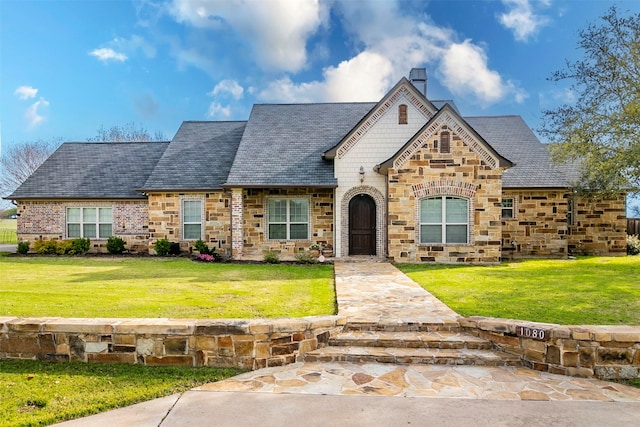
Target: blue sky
(69, 67)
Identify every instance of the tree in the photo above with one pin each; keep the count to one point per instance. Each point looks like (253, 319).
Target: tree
(130, 132)
(21, 160)
(600, 131)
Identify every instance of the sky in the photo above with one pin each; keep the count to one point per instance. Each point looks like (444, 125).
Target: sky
(69, 67)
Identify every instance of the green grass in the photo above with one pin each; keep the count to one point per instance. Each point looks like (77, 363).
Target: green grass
(8, 231)
(594, 290)
(37, 393)
(161, 287)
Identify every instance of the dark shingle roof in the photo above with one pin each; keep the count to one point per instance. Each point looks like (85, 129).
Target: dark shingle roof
(513, 139)
(89, 170)
(283, 144)
(198, 158)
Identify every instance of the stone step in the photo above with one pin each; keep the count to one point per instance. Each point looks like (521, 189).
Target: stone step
(437, 339)
(407, 356)
(390, 326)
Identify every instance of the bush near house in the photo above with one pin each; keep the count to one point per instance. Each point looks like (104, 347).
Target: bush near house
(633, 245)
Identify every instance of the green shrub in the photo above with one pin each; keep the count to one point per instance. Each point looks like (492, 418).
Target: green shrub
(202, 247)
(45, 247)
(162, 247)
(23, 248)
(272, 257)
(80, 246)
(633, 245)
(115, 245)
(65, 247)
(305, 258)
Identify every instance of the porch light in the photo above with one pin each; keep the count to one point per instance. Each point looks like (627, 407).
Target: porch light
(361, 174)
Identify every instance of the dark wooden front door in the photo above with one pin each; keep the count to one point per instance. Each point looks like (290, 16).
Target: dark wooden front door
(362, 225)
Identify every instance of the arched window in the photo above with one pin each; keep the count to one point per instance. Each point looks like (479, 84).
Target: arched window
(445, 144)
(402, 114)
(444, 219)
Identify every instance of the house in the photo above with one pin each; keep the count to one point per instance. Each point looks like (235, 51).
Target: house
(406, 178)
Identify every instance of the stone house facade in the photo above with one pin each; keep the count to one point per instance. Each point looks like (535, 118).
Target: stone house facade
(406, 178)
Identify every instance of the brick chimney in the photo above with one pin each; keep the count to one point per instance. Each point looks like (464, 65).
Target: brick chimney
(418, 77)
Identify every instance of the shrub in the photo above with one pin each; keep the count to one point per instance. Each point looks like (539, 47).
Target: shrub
(272, 257)
(202, 247)
(45, 247)
(80, 246)
(162, 247)
(65, 247)
(305, 258)
(633, 245)
(23, 248)
(115, 245)
(174, 249)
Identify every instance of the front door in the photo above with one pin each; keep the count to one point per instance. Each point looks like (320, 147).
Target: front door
(362, 225)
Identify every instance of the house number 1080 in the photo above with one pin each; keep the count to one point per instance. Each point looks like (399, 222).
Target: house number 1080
(533, 333)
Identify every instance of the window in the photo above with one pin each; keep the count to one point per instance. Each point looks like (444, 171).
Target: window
(191, 219)
(570, 212)
(288, 219)
(89, 223)
(507, 209)
(445, 145)
(402, 115)
(444, 220)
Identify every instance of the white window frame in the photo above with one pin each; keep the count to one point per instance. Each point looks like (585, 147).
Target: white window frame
(183, 222)
(288, 223)
(84, 222)
(443, 223)
(506, 208)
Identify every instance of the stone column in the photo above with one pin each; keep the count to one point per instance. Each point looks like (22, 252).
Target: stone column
(237, 232)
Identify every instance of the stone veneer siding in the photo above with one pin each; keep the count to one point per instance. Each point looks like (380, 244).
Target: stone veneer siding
(599, 226)
(165, 219)
(255, 242)
(246, 344)
(605, 352)
(460, 173)
(46, 219)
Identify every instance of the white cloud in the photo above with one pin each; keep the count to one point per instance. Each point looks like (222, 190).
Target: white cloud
(228, 86)
(33, 114)
(217, 111)
(106, 54)
(521, 18)
(277, 30)
(26, 92)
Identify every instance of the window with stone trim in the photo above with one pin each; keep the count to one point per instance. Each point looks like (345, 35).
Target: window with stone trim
(191, 219)
(403, 117)
(288, 219)
(508, 208)
(445, 142)
(89, 223)
(444, 219)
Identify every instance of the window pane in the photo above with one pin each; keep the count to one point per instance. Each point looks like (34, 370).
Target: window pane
(298, 210)
(104, 230)
(192, 231)
(89, 215)
(299, 231)
(431, 234)
(89, 230)
(431, 210)
(456, 210)
(192, 211)
(277, 231)
(73, 215)
(105, 215)
(73, 230)
(456, 234)
(277, 210)
(507, 203)
(507, 213)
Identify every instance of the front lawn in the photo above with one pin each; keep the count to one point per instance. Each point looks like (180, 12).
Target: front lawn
(161, 287)
(37, 393)
(593, 290)
(8, 231)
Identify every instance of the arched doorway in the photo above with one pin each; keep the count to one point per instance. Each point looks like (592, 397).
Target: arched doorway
(362, 225)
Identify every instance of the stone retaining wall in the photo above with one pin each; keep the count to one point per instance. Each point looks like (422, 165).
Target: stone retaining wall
(605, 352)
(246, 344)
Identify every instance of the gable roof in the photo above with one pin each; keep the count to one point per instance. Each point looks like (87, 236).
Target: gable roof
(512, 138)
(282, 144)
(199, 157)
(93, 170)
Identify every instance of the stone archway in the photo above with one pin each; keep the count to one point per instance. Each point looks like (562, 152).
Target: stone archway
(381, 223)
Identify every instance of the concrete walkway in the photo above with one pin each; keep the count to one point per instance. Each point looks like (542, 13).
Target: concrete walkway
(384, 394)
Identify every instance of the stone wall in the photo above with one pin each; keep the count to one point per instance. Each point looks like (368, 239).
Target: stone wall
(599, 226)
(461, 173)
(606, 352)
(46, 220)
(246, 344)
(255, 242)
